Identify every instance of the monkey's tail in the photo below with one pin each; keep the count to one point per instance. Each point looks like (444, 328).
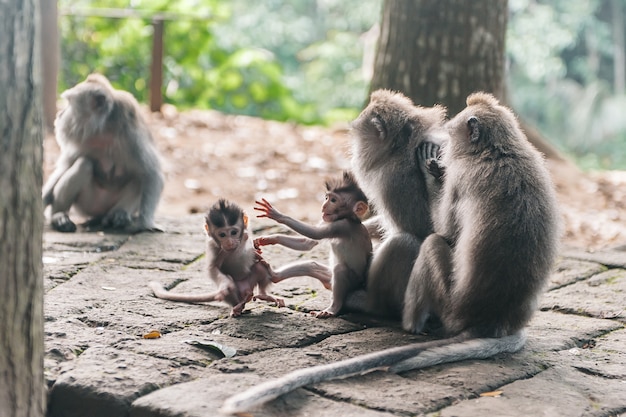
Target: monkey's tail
(403, 358)
(468, 349)
(161, 292)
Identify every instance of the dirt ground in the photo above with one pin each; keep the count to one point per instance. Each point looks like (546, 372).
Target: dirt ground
(207, 155)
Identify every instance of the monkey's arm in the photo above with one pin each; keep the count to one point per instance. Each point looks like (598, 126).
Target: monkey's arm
(300, 243)
(63, 164)
(152, 186)
(324, 231)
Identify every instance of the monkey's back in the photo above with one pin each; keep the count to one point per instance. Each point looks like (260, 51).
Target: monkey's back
(508, 241)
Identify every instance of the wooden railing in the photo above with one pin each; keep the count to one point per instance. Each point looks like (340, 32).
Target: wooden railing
(157, 20)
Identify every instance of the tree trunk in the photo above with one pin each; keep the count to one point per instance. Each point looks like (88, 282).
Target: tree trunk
(440, 51)
(21, 213)
(50, 60)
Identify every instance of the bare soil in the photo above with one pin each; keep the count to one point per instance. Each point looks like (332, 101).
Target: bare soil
(207, 155)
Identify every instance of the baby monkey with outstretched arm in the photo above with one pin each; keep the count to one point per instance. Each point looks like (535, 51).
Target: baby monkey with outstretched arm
(351, 247)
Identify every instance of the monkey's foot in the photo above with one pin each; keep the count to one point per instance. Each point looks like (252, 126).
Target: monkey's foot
(237, 310)
(324, 314)
(278, 301)
(62, 223)
(117, 219)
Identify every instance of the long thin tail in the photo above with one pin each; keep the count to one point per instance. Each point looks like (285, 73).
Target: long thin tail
(469, 349)
(161, 292)
(404, 358)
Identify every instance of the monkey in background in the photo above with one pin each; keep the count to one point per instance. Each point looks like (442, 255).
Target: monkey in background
(390, 139)
(351, 246)
(232, 262)
(495, 241)
(109, 168)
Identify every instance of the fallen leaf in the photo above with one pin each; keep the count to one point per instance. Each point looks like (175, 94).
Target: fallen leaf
(209, 345)
(154, 334)
(494, 394)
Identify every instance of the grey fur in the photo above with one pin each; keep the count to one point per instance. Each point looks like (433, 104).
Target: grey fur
(390, 137)
(496, 229)
(109, 167)
(495, 243)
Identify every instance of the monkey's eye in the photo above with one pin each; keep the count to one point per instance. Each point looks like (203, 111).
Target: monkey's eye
(333, 200)
(233, 233)
(222, 234)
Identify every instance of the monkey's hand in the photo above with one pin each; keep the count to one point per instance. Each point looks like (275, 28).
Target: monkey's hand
(435, 168)
(264, 241)
(268, 210)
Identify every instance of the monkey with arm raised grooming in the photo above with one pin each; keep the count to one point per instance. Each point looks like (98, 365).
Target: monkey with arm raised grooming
(109, 167)
(232, 262)
(481, 272)
(389, 138)
(351, 246)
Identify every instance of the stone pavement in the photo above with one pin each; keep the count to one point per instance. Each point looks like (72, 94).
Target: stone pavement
(98, 307)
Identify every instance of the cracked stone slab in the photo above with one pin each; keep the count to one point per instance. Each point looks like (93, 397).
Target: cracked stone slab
(559, 391)
(603, 295)
(330, 349)
(144, 249)
(569, 271)
(205, 396)
(419, 392)
(105, 381)
(615, 257)
(552, 331)
(98, 285)
(602, 356)
(96, 242)
(282, 327)
(65, 340)
(173, 346)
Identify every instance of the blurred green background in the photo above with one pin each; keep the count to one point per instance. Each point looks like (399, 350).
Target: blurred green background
(304, 61)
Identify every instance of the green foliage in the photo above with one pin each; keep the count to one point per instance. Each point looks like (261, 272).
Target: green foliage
(272, 59)
(561, 55)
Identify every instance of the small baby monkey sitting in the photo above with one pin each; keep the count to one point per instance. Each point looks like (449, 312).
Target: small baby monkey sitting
(233, 263)
(351, 246)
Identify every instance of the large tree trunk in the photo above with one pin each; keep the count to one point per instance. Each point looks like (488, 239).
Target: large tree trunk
(21, 213)
(440, 51)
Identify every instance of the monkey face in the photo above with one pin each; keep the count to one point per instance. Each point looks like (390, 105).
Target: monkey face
(228, 238)
(335, 207)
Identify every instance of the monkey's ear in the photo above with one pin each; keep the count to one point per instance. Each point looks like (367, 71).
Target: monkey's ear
(360, 209)
(245, 220)
(206, 229)
(98, 100)
(473, 128)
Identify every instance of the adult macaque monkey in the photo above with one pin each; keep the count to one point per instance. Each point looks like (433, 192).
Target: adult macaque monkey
(351, 246)
(391, 138)
(232, 261)
(109, 168)
(495, 243)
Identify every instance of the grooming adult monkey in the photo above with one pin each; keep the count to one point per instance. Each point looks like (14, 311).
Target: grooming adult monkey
(109, 167)
(351, 246)
(232, 262)
(390, 138)
(481, 272)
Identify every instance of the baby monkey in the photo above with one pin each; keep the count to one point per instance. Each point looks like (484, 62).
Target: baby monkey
(233, 263)
(351, 247)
